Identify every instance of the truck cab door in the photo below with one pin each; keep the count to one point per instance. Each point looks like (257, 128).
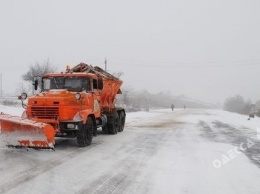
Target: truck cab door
(96, 98)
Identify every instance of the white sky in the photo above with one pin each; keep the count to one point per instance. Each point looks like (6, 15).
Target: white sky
(206, 49)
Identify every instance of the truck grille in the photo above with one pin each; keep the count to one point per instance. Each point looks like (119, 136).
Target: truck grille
(45, 112)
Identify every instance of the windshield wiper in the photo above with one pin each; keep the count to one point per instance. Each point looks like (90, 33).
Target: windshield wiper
(55, 83)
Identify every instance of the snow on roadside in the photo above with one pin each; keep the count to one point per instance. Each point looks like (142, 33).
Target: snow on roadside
(12, 110)
(234, 120)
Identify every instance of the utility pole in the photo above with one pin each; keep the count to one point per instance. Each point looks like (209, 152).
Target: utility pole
(1, 86)
(105, 64)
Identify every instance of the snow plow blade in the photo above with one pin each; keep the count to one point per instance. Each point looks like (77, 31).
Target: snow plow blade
(17, 132)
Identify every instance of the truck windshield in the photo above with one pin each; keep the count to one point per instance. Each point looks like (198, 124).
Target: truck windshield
(75, 84)
(53, 83)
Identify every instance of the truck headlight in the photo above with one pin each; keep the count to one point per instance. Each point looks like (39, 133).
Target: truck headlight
(70, 126)
(78, 96)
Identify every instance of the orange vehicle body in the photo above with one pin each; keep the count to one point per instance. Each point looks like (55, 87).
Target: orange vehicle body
(70, 104)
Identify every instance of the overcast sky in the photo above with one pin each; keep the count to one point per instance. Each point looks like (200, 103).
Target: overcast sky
(206, 49)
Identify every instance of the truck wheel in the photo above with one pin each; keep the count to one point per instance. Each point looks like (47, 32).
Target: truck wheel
(121, 121)
(104, 129)
(113, 125)
(85, 134)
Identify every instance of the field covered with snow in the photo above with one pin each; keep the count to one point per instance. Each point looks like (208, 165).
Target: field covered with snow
(195, 151)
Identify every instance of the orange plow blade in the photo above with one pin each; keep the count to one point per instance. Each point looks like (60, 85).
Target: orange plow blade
(18, 132)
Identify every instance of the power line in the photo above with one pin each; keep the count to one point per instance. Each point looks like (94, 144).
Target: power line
(149, 63)
(192, 65)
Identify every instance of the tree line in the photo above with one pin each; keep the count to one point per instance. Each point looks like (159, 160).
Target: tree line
(239, 105)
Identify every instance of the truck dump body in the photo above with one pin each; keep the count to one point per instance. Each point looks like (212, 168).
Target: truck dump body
(111, 84)
(109, 91)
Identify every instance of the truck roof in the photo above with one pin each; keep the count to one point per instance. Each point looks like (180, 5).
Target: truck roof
(72, 74)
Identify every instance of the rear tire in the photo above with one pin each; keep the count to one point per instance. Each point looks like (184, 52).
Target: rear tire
(121, 121)
(85, 134)
(104, 129)
(113, 124)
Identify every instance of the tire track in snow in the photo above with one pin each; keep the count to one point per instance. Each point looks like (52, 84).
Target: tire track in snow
(225, 133)
(33, 172)
(123, 173)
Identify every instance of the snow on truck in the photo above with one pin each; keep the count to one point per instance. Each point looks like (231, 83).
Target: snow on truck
(70, 104)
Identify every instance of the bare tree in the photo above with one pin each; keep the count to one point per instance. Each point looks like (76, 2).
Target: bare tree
(118, 74)
(38, 70)
(124, 99)
(237, 104)
(22, 87)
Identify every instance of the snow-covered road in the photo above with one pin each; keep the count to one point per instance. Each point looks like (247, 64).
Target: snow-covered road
(185, 151)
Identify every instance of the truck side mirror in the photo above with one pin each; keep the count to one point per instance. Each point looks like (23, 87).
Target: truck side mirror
(35, 84)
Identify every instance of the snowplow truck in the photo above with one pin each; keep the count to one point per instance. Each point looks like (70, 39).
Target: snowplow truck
(73, 104)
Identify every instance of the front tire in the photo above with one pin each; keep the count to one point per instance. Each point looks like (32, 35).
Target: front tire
(121, 121)
(85, 134)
